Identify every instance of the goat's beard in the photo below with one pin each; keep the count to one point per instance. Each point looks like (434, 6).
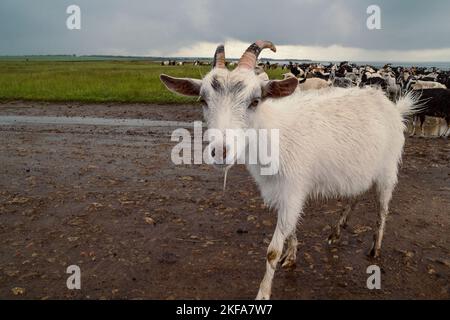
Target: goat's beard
(225, 173)
(224, 168)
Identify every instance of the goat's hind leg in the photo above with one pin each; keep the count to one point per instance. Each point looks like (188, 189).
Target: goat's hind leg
(384, 192)
(288, 259)
(342, 222)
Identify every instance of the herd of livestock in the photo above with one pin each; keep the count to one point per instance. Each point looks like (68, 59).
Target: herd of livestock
(430, 83)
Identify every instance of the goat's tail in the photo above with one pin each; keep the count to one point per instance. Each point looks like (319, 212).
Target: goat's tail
(409, 104)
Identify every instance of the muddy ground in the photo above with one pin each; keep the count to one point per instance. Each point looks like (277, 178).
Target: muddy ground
(109, 200)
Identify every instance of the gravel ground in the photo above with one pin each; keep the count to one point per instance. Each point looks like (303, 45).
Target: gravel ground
(109, 199)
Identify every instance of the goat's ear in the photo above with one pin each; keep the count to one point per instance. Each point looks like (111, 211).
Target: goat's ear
(183, 86)
(302, 80)
(280, 88)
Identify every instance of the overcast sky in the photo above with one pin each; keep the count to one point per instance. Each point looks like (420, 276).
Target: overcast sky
(310, 29)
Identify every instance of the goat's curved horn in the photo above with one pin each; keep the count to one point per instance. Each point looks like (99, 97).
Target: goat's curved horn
(219, 57)
(248, 59)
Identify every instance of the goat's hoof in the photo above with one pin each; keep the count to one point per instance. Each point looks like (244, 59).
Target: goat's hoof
(334, 238)
(288, 263)
(288, 260)
(262, 296)
(374, 253)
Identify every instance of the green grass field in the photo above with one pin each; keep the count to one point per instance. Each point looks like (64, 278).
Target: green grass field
(94, 81)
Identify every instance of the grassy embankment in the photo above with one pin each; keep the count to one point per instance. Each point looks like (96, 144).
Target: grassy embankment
(93, 81)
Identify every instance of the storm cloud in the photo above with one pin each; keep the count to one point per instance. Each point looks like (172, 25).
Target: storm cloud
(302, 28)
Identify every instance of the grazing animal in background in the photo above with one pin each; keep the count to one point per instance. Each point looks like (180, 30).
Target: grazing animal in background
(340, 82)
(288, 75)
(393, 89)
(305, 84)
(420, 84)
(259, 70)
(352, 76)
(296, 71)
(326, 145)
(375, 81)
(428, 77)
(313, 84)
(444, 78)
(436, 103)
(321, 75)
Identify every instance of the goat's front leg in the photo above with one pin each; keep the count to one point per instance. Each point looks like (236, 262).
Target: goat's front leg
(286, 224)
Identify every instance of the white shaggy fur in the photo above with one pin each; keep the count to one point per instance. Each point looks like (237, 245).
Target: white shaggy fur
(324, 140)
(333, 142)
(328, 149)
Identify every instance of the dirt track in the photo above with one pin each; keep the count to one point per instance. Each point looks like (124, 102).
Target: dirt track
(109, 200)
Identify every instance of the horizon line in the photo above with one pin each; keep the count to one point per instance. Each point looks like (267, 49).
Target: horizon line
(210, 58)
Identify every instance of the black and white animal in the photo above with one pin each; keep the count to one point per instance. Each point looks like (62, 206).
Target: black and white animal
(373, 81)
(340, 82)
(297, 71)
(436, 103)
(444, 78)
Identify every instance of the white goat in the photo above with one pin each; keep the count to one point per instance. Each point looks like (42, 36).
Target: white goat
(326, 145)
(393, 90)
(313, 84)
(308, 84)
(420, 84)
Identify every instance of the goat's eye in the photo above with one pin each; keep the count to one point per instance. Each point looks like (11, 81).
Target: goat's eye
(203, 102)
(254, 103)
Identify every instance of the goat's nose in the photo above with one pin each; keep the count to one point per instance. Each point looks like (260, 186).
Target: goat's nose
(224, 152)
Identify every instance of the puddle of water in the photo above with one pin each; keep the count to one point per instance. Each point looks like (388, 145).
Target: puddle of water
(16, 120)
